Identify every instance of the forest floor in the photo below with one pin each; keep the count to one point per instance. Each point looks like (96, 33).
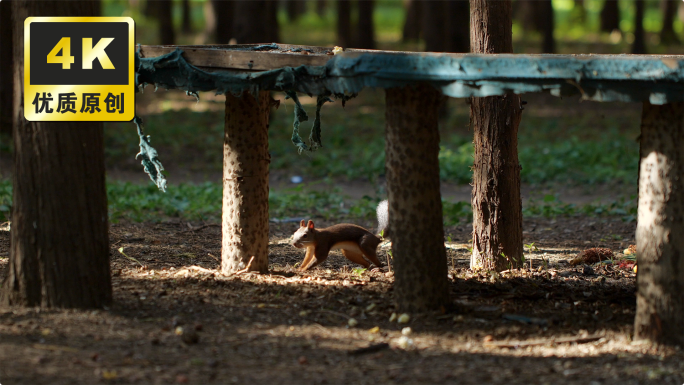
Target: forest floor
(174, 319)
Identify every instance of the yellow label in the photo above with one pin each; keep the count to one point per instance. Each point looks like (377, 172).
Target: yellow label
(79, 69)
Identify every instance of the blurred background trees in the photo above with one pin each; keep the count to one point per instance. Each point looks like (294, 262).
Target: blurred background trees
(539, 26)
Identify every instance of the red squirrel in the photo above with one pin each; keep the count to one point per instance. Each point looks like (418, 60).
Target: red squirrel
(355, 242)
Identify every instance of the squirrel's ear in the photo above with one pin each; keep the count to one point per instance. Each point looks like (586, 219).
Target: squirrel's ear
(302, 223)
(311, 225)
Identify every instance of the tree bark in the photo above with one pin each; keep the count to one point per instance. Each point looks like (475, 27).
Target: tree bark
(547, 19)
(224, 11)
(660, 246)
(344, 34)
(457, 23)
(610, 16)
(497, 208)
(413, 21)
(415, 205)
(6, 69)
(59, 251)
(433, 25)
(167, 35)
(187, 17)
(667, 34)
(639, 46)
(365, 29)
(245, 183)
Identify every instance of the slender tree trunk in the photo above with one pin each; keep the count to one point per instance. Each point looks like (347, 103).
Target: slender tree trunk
(6, 69)
(610, 16)
(660, 246)
(295, 8)
(271, 23)
(365, 30)
(497, 208)
(457, 24)
(245, 183)
(527, 12)
(412, 25)
(224, 12)
(639, 46)
(433, 26)
(667, 34)
(344, 33)
(415, 205)
(167, 35)
(547, 19)
(59, 251)
(187, 17)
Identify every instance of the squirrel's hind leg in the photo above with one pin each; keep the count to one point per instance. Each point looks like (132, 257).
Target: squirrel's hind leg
(355, 257)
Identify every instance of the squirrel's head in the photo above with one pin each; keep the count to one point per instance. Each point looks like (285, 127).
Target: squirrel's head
(304, 235)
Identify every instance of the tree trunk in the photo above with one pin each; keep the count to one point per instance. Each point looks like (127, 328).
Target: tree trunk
(413, 21)
(295, 8)
(497, 208)
(321, 5)
(660, 246)
(249, 22)
(187, 21)
(224, 11)
(245, 183)
(59, 250)
(365, 30)
(667, 34)
(527, 12)
(457, 24)
(610, 16)
(433, 26)
(167, 36)
(415, 205)
(639, 46)
(547, 20)
(6, 69)
(271, 27)
(344, 34)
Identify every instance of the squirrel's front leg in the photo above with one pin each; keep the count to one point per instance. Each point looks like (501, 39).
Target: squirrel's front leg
(319, 254)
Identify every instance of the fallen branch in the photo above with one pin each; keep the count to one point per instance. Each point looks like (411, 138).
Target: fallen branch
(246, 269)
(203, 270)
(551, 341)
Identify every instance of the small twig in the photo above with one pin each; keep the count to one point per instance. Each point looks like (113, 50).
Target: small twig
(217, 260)
(369, 349)
(388, 263)
(246, 269)
(121, 250)
(195, 229)
(522, 344)
(335, 313)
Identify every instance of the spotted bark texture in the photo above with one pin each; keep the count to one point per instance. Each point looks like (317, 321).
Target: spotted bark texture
(497, 208)
(660, 228)
(245, 183)
(415, 205)
(59, 251)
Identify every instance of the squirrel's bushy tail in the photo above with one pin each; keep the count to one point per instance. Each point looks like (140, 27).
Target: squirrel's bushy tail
(383, 219)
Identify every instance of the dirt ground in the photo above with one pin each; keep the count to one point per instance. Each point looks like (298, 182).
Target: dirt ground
(553, 324)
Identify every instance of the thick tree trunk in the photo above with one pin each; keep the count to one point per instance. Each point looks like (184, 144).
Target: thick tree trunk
(610, 16)
(433, 26)
(365, 30)
(415, 205)
(6, 69)
(224, 11)
(344, 34)
(639, 46)
(245, 183)
(667, 34)
(59, 253)
(547, 19)
(167, 35)
(249, 22)
(497, 208)
(660, 246)
(187, 21)
(457, 24)
(413, 21)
